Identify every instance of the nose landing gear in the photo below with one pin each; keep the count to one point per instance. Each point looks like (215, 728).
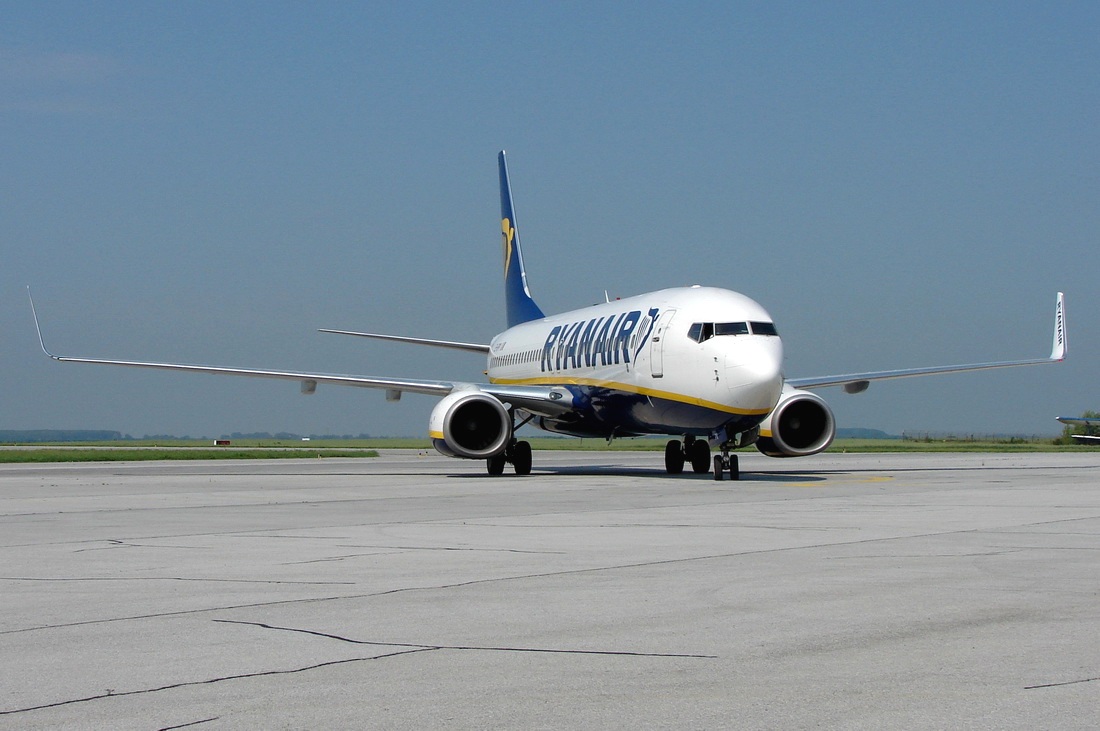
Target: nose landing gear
(726, 462)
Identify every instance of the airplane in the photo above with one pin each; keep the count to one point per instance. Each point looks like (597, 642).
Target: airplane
(701, 364)
(1086, 421)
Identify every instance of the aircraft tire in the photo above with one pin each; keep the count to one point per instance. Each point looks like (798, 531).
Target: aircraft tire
(719, 468)
(735, 468)
(521, 458)
(700, 457)
(674, 457)
(496, 464)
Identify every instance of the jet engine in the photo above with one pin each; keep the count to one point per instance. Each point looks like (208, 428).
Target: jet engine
(800, 424)
(470, 424)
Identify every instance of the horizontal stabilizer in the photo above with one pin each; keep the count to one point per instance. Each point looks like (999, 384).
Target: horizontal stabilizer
(472, 347)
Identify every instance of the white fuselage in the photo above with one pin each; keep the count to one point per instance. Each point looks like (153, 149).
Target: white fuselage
(689, 360)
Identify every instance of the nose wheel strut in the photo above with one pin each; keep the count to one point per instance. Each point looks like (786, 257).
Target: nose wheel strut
(726, 462)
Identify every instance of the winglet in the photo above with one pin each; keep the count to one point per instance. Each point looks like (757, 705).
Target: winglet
(1058, 352)
(38, 327)
(519, 305)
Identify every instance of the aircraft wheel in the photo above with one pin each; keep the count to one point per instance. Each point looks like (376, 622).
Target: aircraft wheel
(719, 468)
(521, 458)
(735, 468)
(496, 464)
(674, 457)
(700, 457)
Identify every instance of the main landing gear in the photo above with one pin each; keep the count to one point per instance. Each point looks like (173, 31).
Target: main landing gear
(517, 454)
(697, 452)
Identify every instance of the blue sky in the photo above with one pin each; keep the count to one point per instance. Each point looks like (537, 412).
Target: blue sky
(899, 184)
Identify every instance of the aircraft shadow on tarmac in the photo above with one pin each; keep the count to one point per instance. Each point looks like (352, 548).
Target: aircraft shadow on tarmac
(618, 470)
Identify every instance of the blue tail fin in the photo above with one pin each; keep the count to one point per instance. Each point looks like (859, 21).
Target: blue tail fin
(521, 308)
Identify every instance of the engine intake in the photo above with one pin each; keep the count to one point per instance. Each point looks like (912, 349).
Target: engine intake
(471, 425)
(801, 424)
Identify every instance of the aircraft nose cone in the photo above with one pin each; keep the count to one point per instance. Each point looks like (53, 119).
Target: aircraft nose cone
(754, 372)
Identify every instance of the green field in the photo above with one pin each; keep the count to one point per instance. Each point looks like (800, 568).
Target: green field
(136, 450)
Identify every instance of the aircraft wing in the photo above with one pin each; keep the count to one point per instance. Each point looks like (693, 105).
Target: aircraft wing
(309, 380)
(541, 400)
(858, 382)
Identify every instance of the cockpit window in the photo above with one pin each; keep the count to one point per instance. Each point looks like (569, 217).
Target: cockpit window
(731, 328)
(703, 331)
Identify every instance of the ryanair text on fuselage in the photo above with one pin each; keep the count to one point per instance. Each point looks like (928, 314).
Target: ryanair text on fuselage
(599, 341)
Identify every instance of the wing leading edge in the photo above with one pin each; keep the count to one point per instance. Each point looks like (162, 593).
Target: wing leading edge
(857, 382)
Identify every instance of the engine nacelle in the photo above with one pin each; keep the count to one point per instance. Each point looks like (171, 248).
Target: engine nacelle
(800, 424)
(471, 425)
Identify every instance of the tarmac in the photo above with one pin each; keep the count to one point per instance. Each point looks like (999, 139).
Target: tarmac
(413, 591)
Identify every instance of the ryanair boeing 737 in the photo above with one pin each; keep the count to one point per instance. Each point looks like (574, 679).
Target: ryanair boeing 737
(701, 364)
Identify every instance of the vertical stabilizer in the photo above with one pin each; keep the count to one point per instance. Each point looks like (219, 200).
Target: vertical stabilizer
(520, 307)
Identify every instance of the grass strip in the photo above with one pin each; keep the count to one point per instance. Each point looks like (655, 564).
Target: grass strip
(148, 454)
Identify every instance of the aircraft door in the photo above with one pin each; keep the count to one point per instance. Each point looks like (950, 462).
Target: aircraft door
(657, 344)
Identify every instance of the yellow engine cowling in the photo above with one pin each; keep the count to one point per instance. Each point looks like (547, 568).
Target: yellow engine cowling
(800, 424)
(471, 425)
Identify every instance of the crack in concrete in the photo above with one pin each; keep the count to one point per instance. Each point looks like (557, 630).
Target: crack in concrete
(189, 725)
(390, 550)
(209, 681)
(482, 648)
(1059, 685)
(331, 559)
(172, 578)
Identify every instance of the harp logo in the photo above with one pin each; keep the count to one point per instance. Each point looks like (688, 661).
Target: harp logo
(508, 232)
